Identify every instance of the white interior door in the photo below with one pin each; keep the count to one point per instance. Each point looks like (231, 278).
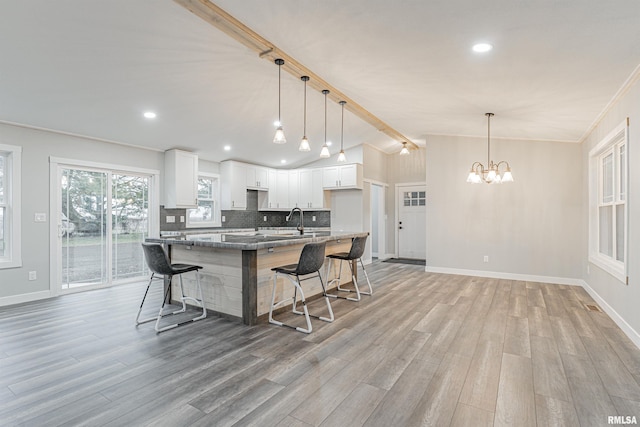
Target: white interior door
(412, 201)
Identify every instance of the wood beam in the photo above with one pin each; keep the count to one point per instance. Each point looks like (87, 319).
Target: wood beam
(226, 23)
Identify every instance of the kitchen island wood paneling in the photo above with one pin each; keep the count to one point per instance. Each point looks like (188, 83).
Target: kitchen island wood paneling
(236, 277)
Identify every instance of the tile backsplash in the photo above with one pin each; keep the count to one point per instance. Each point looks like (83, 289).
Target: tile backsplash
(249, 218)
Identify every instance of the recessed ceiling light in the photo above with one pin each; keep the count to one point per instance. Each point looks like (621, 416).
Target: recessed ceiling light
(150, 115)
(283, 161)
(482, 47)
(227, 148)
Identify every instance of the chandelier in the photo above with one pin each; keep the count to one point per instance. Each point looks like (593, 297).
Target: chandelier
(493, 172)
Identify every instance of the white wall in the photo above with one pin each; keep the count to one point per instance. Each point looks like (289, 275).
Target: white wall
(533, 226)
(622, 300)
(37, 146)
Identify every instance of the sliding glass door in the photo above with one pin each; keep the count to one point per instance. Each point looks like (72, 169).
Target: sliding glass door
(104, 216)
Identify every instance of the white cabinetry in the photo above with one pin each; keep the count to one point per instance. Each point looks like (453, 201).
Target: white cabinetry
(311, 193)
(342, 177)
(233, 188)
(278, 189)
(180, 179)
(257, 178)
(294, 189)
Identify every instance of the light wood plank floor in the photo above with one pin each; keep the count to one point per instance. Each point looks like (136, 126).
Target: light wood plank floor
(425, 349)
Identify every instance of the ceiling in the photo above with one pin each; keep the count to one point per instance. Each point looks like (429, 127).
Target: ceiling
(92, 68)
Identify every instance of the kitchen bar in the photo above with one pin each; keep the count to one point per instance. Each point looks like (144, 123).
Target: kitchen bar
(236, 276)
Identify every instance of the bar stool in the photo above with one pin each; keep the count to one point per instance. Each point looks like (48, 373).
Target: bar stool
(311, 260)
(159, 264)
(355, 253)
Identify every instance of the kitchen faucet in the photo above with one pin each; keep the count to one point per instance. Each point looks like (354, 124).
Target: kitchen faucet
(300, 226)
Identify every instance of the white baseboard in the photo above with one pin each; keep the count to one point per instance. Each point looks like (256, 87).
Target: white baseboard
(622, 324)
(19, 299)
(508, 276)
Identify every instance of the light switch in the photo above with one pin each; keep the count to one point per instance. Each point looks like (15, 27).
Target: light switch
(40, 217)
(313, 218)
(170, 219)
(224, 218)
(181, 218)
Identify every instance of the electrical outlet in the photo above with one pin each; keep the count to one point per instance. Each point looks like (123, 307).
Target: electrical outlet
(486, 258)
(313, 218)
(171, 219)
(40, 217)
(181, 218)
(264, 218)
(33, 275)
(224, 218)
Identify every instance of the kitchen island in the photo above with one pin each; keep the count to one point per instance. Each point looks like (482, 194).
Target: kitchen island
(236, 277)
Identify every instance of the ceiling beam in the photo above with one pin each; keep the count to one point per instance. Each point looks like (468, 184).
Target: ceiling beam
(223, 21)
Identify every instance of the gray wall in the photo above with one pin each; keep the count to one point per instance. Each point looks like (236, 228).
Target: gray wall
(37, 146)
(533, 226)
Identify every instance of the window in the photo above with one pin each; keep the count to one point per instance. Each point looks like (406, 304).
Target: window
(608, 205)
(10, 163)
(207, 214)
(415, 198)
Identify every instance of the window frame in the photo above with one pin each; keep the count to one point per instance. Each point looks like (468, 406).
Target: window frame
(12, 204)
(216, 220)
(610, 144)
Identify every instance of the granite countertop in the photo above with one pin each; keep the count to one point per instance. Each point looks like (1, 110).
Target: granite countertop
(254, 240)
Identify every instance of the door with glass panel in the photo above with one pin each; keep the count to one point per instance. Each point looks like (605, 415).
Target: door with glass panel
(104, 217)
(412, 211)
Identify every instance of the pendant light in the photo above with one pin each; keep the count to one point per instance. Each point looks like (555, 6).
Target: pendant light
(304, 143)
(325, 148)
(405, 150)
(490, 174)
(341, 157)
(279, 136)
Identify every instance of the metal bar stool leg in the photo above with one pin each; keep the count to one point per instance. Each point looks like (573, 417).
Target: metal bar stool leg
(364, 270)
(182, 299)
(355, 285)
(149, 319)
(326, 299)
(273, 302)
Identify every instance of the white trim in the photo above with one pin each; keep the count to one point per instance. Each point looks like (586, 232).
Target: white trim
(375, 182)
(508, 276)
(55, 166)
(616, 136)
(397, 212)
(105, 166)
(622, 324)
(22, 298)
(217, 205)
(14, 196)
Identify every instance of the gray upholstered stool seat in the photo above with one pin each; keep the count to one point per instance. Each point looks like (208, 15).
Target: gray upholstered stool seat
(158, 262)
(354, 254)
(310, 262)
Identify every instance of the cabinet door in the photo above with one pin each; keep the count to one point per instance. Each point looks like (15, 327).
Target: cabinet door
(238, 183)
(294, 190)
(282, 190)
(251, 179)
(348, 176)
(330, 177)
(273, 188)
(262, 178)
(305, 189)
(181, 179)
(316, 190)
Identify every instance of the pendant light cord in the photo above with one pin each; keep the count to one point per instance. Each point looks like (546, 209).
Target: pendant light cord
(325, 115)
(279, 78)
(342, 127)
(304, 132)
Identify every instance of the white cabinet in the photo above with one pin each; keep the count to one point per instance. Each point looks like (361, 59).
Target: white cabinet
(294, 189)
(310, 191)
(342, 177)
(278, 189)
(257, 178)
(233, 186)
(180, 179)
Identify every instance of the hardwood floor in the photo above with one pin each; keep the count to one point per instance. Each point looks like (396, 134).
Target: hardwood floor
(425, 349)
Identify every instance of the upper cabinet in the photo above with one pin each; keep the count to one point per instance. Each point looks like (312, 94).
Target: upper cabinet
(180, 179)
(233, 188)
(342, 177)
(257, 178)
(310, 191)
